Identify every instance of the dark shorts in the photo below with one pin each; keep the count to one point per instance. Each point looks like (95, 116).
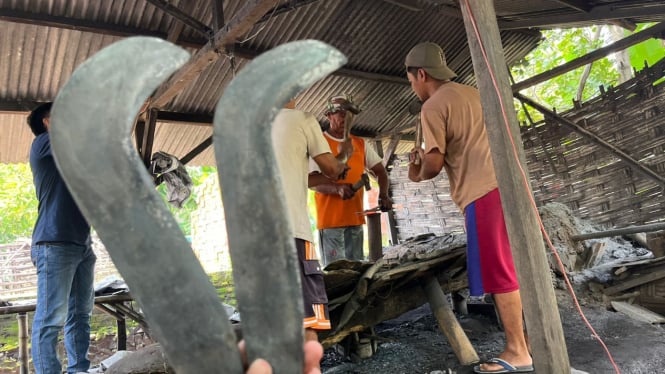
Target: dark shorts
(490, 266)
(314, 294)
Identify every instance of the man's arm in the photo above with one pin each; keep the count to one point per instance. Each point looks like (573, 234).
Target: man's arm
(429, 167)
(382, 177)
(330, 166)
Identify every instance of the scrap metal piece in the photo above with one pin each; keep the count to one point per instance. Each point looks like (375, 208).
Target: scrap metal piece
(92, 119)
(261, 240)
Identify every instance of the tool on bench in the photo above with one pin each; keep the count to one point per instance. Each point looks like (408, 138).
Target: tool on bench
(363, 182)
(138, 229)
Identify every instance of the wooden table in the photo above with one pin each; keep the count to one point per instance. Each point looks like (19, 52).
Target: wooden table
(116, 306)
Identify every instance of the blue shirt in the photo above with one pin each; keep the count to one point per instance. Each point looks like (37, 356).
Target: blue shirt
(59, 218)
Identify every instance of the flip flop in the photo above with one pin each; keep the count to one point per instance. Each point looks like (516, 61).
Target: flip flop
(507, 367)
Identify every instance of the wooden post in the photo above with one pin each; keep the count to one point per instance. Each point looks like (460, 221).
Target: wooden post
(23, 342)
(121, 333)
(374, 236)
(448, 323)
(539, 302)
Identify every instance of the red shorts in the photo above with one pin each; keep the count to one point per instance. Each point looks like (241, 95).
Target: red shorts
(315, 299)
(490, 266)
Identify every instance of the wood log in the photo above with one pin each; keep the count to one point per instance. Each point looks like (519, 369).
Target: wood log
(621, 231)
(448, 323)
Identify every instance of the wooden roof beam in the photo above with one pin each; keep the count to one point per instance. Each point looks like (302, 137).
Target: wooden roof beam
(183, 17)
(241, 23)
(597, 14)
(584, 6)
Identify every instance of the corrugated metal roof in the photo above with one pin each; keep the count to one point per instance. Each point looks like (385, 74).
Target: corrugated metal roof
(38, 58)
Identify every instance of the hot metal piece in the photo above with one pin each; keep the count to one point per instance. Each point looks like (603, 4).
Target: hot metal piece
(92, 120)
(261, 241)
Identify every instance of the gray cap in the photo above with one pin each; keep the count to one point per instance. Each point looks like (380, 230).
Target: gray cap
(429, 56)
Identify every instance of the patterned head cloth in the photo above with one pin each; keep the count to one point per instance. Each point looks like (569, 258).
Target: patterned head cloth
(341, 102)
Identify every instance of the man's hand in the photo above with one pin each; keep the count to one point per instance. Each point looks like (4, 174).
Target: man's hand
(313, 354)
(385, 203)
(416, 154)
(345, 191)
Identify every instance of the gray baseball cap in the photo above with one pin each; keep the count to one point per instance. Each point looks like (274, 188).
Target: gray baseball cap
(429, 56)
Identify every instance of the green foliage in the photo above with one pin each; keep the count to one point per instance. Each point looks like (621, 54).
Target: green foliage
(223, 282)
(8, 333)
(561, 46)
(649, 51)
(183, 215)
(557, 48)
(18, 203)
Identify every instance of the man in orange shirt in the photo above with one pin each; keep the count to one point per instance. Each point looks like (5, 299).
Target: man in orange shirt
(339, 217)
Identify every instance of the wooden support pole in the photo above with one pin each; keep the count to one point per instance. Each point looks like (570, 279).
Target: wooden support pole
(448, 323)
(539, 302)
(619, 232)
(374, 236)
(23, 357)
(121, 333)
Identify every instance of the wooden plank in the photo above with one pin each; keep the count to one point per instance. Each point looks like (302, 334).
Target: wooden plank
(637, 312)
(620, 231)
(540, 306)
(241, 23)
(635, 281)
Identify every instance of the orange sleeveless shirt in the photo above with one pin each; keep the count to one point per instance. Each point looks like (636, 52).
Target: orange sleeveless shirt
(331, 210)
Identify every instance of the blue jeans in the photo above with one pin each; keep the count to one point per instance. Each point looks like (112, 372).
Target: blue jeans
(65, 297)
(341, 242)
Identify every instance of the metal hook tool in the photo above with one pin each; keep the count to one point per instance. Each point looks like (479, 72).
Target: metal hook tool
(260, 237)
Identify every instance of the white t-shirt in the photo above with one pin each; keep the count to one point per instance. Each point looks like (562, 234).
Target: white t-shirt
(297, 136)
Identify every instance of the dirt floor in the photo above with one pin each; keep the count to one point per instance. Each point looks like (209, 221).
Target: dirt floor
(414, 344)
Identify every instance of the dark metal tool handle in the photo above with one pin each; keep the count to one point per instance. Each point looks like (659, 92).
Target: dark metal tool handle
(92, 118)
(260, 237)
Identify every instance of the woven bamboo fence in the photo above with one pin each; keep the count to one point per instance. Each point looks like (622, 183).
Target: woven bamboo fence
(18, 276)
(594, 183)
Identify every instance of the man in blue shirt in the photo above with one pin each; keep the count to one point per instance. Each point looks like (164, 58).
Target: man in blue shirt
(63, 256)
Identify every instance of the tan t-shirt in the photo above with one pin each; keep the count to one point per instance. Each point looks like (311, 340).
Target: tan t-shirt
(452, 122)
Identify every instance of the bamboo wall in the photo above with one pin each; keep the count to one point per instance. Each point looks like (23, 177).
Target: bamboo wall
(592, 181)
(18, 277)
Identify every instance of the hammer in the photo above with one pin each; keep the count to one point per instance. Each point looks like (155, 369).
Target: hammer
(351, 110)
(364, 181)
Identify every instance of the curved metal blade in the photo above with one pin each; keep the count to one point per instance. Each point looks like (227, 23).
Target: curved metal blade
(92, 118)
(260, 238)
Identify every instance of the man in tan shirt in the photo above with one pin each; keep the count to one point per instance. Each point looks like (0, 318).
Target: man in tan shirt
(455, 139)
